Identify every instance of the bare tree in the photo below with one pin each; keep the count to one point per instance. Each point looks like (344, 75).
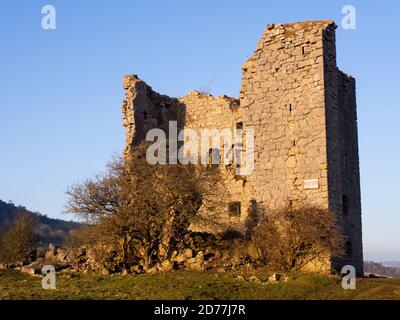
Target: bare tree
(144, 209)
(18, 240)
(291, 238)
(206, 89)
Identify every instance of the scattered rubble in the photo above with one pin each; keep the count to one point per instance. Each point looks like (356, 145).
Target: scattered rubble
(106, 261)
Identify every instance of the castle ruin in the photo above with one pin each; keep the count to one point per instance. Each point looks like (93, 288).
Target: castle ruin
(303, 112)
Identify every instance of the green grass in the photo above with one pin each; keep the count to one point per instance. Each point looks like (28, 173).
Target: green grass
(193, 285)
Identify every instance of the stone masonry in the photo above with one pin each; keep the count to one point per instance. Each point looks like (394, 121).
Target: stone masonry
(303, 112)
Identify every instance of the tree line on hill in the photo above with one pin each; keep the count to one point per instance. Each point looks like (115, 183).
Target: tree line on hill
(378, 268)
(47, 230)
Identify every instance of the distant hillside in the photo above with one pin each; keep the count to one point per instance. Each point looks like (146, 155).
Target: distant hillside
(379, 269)
(49, 230)
(393, 264)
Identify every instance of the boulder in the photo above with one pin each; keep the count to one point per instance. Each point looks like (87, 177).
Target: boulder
(51, 252)
(166, 266)
(180, 258)
(152, 270)
(240, 278)
(62, 266)
(31, 269)
(136, 269)
(191, 261)
(62, 255)
(188, 253)
(196, 264)
(254, 279)
(174, 255)
(200, 256)
(275, 277)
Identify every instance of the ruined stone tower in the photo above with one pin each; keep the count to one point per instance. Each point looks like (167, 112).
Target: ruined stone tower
(302, 109)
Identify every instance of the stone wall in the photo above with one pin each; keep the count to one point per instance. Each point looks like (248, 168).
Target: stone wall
(282, 98)
(303, 112)
(343, 161)
(144, 109)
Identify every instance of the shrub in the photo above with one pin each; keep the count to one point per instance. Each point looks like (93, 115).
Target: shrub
(145, 209)
(18, 240)
(290, 238)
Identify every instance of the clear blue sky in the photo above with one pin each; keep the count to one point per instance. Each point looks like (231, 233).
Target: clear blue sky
(61, 94)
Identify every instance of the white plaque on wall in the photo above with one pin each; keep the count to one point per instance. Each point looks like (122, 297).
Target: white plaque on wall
(311, 184)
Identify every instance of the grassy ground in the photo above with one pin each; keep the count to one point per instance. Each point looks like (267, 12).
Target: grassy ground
(192, 285)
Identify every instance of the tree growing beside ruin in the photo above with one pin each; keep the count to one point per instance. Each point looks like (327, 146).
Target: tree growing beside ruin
(144, 209)
(290, 238)
(18, 239)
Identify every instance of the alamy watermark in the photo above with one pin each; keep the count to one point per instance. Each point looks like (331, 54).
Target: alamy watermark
(211, 147)
(349, 278)
(49, 18)
(349, 18)
(49, 279)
